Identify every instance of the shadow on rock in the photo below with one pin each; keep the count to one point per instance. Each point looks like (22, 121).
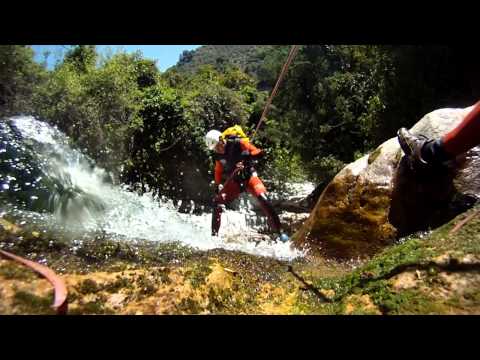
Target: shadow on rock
(425, 198)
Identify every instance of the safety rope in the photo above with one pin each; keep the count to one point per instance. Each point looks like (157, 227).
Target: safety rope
(60, 303)
(291, 55)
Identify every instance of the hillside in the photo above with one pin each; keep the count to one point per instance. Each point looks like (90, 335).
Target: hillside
(246, 57)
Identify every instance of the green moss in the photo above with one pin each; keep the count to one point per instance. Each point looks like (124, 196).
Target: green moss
(189, 306)
(473, 296)
(465, 240)
(411, 251)
(402, 302)
(29, 303)
(88, 286)
(93, 254)
(352, 220)
(162, 274)
(92, 308)
(11, 271)
(146, 286)
(251, 272)
(220, 300)
(72, 297)
(198, 273)
(308, 303)
(372, 278)
(119, 283)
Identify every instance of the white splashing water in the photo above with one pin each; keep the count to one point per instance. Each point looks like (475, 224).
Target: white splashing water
(128, 215)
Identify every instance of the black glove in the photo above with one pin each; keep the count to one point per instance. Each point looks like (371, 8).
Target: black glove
(250, 160)
(245, 156)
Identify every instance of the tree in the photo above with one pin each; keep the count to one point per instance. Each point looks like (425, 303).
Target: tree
(81, 57)
(19, 74)
(329, 104)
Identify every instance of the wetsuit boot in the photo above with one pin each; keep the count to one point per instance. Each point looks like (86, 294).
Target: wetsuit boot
(216, 219)
(272, 216)
(423, 151)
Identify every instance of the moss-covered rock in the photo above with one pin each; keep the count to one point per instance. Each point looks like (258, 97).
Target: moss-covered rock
(435, 273)
(152, 279)
(380, 197)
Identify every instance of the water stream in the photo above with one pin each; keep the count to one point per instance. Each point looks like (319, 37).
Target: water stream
(46, 181)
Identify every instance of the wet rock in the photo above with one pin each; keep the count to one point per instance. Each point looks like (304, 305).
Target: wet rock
(406, 280)
(360, 304)
(328, 293)
(116, 300)
(379, 197)
(9, 227)
(292, 221)
(219, 278)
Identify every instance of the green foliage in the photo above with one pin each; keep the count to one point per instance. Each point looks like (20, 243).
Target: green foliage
(172, 127)
(82, 57)
(94, 105)
(424, 78)
(282, 167)
(18, 72)
(246, 57)
(335, 104)
(162, 128)
(323, 169)
(146, 73)
(331, 99)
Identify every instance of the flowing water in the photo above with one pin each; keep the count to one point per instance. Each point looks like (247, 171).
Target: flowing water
(46, 182)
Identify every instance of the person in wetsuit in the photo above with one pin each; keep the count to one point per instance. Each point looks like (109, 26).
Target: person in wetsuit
(235, 158)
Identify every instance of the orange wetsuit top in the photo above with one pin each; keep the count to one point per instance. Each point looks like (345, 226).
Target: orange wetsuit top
(233, 154)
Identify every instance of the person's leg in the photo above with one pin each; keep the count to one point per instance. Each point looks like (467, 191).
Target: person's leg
(229, 193)
(465, 136)
(436, 151)
(216, 219)
(257, 189)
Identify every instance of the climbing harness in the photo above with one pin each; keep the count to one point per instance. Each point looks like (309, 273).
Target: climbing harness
(291, 55)
(60, 303)
(230, 178)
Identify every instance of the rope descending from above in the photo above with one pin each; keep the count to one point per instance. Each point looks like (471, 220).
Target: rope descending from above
(291, 55)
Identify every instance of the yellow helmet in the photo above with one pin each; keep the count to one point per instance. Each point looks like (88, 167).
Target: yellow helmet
(235, 130)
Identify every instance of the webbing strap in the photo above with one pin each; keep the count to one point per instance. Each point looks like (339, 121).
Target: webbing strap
(60, 298)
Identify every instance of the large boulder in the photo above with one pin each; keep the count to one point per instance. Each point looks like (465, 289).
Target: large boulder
(379, 198)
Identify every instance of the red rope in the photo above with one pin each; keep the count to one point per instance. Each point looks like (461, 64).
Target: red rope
(60, 300)
(291, 55)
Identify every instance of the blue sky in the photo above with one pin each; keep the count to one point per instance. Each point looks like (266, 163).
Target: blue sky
(166, 55)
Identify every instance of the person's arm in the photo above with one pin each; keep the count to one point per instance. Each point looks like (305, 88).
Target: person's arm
(251, 151)
(218, 176)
